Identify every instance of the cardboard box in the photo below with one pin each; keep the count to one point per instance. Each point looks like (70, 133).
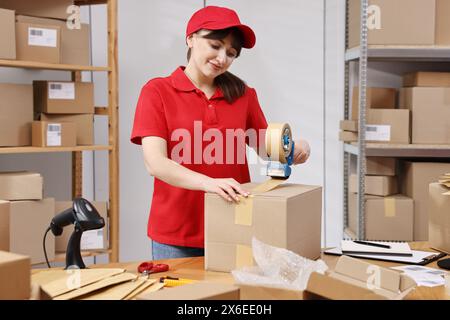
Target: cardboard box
(43, 8)
(388, 126)
(348, 136)
(38, 42)
(253, 292)
(52, 134)
(90, 240)
(428, 106)
(74, 42)
(386, 218)
(63, 97)
(16, 114)
(26, 223)
(21, 185)
(439, 218)
(375, 185)
(442, 23)
(426, 79)
(349, 125)
(394, 22)
(415, 179)
(84, 125)
(7, 34)
(384, 98)
(272, 217)
(195, 291)
(380, 166)
(15, 276)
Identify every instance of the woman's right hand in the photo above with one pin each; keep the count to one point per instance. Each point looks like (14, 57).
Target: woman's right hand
(226, 188)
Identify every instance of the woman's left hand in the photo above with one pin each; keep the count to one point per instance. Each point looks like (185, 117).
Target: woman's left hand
(301, 151)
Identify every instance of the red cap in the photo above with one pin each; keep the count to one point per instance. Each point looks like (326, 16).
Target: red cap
(217, 18)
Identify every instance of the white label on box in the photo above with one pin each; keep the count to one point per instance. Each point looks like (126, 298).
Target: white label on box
(42, 37)
(54, 134)
(92, 239)
(61, 90)
(378, 132)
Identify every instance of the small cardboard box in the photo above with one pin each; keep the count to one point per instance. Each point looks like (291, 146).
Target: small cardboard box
(426, 79)
(15, 276)
(74, 42)
(272, 217)
(52, 134)
(386, 218)
(376, 98)
(439, 217)
(7, 34)
(442, 23)
(428, 106)
(21, 185)
(379, 166)
(37, 42)
(415, 179)
(375, 185)
(25, 223)
(63, 97)
(349, 125)
(394, 22)
(90, 240)
(56, 9)
(388, 126)
(201, 290)
(16, 114)
(348, 136)
(83, 122)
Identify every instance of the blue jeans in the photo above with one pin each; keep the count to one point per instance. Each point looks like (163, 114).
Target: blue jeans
(168, 251)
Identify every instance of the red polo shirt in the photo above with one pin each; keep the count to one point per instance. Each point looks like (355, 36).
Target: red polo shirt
(174, 109)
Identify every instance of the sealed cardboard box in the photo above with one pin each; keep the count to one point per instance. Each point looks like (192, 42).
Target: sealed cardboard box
(7, 34)
(348, 136)
(37, 42)
(349, 125)
(428, 106)
(84, 125)
(15, 276)
(195, 291)
(63, 97)
(442, 23)
(380, 166)
(74, 42)
(439, 217)
(426, 79)
(21, 185)
(415, 178)
(43, 8)
(52, 134)
(383, 98)
(16, 114)
(386, 218)
(388, 126)
(272, 217)
(90, 240)
(375, 185)
(415, 25)
(26, 223)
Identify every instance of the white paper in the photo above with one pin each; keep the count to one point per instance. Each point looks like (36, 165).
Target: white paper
(92, 239)
(378, 132)
(42, 37)
(61, 90)
(424, 276)
(53, 134)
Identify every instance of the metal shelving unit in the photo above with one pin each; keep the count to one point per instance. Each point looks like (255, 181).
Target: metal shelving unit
(361, 149)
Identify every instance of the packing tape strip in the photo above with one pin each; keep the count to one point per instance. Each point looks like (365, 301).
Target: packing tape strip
(274, 141)
(244, 256)
(389, 207)
(267, 185)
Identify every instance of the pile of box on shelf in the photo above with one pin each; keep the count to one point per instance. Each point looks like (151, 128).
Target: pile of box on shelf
(25, 216)
(63, 110)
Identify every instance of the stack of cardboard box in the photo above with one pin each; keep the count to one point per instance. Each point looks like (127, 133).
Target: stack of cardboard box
(388, 215)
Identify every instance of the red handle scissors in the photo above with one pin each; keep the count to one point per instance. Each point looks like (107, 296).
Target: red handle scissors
(149, 267)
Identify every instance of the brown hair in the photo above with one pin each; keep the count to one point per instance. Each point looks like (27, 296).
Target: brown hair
(232, 86)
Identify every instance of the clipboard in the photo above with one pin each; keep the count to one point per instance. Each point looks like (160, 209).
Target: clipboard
(418, 258)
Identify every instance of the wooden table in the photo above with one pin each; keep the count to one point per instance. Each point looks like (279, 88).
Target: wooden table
(193, 268)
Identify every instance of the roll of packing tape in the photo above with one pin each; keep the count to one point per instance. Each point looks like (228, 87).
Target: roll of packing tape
(276, 147)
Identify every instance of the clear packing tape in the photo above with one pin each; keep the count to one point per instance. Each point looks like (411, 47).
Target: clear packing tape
(278, 267)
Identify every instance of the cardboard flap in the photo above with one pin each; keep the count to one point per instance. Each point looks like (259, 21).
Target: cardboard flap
(285, 190)
(406, 282)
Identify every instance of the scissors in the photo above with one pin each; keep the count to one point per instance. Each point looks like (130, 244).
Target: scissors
(146, 268)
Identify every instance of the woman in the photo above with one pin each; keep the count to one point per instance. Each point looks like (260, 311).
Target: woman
(201, 100)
